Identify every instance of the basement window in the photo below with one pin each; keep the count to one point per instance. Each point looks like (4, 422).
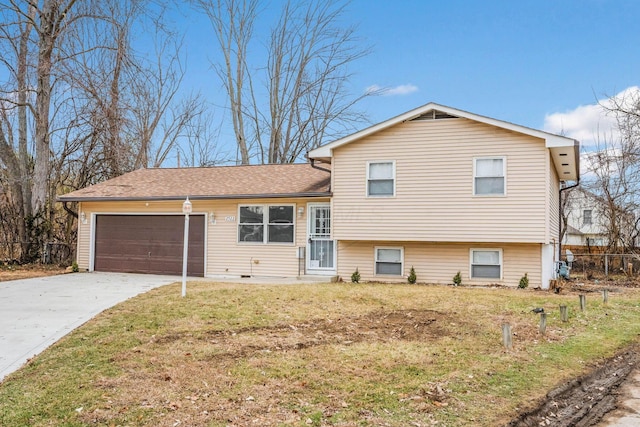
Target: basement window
(389, 261)
(486, 263)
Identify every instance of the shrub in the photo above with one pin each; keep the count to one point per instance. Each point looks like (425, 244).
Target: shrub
(355, 277)
(524, 281)
(457, 279)
(74, 267)
(412, 276)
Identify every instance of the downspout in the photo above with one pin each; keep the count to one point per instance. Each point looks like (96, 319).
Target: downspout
(560, 212)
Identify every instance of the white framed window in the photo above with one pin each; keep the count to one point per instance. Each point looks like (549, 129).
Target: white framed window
(587, 217)
(389, 261)
(266, 223)
(489, 176)
(595, 241)
(486, 263)
(381, 178)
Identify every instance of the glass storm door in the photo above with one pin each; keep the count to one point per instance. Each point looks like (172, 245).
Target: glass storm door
(321, 253)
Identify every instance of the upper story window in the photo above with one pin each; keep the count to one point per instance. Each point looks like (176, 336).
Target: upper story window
(489, 176)
(587, 216)
(266, 224)
(381, 179)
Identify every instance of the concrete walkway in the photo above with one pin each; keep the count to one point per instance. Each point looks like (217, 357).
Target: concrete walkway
(35, 313)
(628, 414)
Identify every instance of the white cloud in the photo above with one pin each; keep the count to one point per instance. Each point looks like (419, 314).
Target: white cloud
(589, 123)
(392, 91)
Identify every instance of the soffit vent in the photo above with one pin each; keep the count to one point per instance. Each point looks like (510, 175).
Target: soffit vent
(434, 115)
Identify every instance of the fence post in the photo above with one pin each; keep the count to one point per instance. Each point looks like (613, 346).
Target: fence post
(605, 296)
(606, 265)
(506, 336)
(583, 302)
(543, 323)
(564, 313)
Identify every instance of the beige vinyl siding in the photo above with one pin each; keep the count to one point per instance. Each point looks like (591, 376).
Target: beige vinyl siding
(554, 204)
(224, 255)
(438, 263)
(434, 198)
(83, 248)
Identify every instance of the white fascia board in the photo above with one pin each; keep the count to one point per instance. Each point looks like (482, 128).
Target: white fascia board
(552, 141)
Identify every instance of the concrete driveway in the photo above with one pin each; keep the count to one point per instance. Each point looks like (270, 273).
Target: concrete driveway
(35, 313)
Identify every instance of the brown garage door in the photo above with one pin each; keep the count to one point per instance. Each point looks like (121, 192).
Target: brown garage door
(148, 244)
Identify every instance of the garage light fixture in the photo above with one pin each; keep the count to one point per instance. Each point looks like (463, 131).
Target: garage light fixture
(83, 218)
(300, 211)
(212, 218)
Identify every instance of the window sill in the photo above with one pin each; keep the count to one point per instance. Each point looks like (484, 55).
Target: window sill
(266, 244)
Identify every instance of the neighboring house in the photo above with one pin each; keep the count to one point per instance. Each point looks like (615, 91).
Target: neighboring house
(585, 226)
(439, 189)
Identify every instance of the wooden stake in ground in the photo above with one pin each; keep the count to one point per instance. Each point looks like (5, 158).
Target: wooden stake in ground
(583, 302)
(605, 296)
(543, 323)
(506, 336)
(564, 313)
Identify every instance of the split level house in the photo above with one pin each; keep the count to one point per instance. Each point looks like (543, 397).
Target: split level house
(438, 189)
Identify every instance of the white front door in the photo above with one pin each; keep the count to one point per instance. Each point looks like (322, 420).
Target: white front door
(321, 252)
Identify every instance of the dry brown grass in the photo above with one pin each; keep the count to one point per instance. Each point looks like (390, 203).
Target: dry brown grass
(340, 355)
(28, 271)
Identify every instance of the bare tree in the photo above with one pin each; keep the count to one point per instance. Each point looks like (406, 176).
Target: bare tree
(307, 73)
(198, 148)
(613, 178)
(80, 104)
(30, 42)
(233, 25)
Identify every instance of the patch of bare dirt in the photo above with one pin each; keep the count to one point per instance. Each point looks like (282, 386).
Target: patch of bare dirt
(376, 326)
(168, 388)
(584, 401)
(27, 271)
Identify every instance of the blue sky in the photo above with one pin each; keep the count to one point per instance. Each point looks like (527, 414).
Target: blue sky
(542, 64)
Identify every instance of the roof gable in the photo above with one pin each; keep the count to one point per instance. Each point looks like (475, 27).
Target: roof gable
(564, 151)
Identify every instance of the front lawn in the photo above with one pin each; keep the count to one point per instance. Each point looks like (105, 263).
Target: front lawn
(319, 355)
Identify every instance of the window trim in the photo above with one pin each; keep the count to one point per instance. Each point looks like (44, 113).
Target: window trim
(375, 261)
(584, 217)
(500, 263)
(393, 177)
(504, 175)
(265, 224)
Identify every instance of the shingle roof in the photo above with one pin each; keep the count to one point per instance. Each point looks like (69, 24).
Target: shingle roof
(221, 182)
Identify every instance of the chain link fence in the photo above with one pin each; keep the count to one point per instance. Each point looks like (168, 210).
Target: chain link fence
(593, 266)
